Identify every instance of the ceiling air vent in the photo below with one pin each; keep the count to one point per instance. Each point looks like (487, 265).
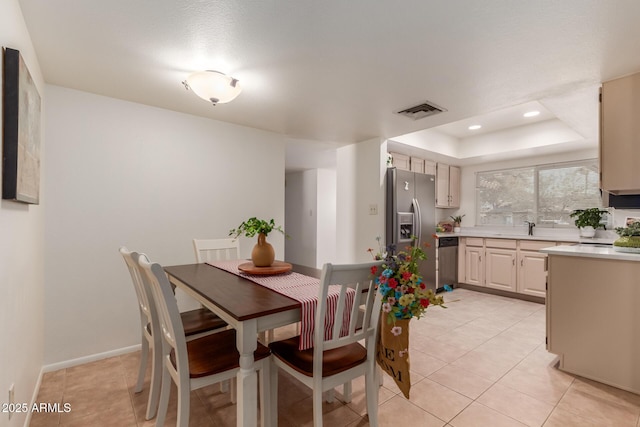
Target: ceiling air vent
(421, 111)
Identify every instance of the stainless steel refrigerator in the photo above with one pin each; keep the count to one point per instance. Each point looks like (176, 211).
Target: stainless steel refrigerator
(411, 211)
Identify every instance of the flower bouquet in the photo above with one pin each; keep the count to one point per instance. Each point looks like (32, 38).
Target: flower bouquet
(404, 296)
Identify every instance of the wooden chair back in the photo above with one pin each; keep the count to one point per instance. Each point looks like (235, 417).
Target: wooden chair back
(208, 250)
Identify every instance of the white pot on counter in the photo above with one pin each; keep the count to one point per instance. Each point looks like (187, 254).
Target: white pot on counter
(587, 231)
(456, 229)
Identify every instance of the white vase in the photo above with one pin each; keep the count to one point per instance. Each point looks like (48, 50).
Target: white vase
(587, 231)
(456, 229)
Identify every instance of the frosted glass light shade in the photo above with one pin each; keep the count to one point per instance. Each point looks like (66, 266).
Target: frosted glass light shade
(214, 86)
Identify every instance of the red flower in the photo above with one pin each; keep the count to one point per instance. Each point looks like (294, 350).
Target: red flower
(393, 283)
(423, 286)
(424, 302)
(406, 275)
(374, 269)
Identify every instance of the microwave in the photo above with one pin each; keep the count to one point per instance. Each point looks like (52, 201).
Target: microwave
(625, 201)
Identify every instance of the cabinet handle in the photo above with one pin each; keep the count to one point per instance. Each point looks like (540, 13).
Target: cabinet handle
(522, 263)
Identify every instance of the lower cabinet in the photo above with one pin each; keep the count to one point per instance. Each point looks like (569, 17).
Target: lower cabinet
(505, 264)
(474, 265)
(532, 273)
(500, 270)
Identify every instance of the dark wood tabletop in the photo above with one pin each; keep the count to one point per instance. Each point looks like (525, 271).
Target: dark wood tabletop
(239, 297)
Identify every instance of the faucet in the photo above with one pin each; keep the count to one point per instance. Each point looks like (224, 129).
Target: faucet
(531, 225)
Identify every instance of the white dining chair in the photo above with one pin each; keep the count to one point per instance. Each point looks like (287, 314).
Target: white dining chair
(340, 359)
(208, 250)
(198, 363)
(196, 323)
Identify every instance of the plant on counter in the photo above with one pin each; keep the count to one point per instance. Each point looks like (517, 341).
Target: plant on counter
(457, 220)
(629, 236)
(253, 226)
(591, 217)
(404, 294)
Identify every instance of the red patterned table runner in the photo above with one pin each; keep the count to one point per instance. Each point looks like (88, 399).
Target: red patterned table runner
(303, 289)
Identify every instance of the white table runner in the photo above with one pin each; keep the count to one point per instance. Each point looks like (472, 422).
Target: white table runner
(303, 289)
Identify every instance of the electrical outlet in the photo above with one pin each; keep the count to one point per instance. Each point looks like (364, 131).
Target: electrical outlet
(373, 209)
(12, 400)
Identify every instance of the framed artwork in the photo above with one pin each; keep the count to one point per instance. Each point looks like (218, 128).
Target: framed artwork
(21, 131)
(630, 220)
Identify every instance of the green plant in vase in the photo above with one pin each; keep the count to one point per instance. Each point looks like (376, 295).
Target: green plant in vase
(629, 237)
(589, 220)
(263, 253)
(457, 220)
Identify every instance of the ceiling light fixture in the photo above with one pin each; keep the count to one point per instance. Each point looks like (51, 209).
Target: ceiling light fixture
(474, 127)
(531, 113)
(213, 86)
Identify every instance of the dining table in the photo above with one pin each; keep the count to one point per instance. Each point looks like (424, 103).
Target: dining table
(247, 307)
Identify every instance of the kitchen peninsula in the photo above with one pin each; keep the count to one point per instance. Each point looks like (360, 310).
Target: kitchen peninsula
(593, 321)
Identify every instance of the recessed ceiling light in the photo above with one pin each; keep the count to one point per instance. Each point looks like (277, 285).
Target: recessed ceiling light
(474, 127)
(531, 113)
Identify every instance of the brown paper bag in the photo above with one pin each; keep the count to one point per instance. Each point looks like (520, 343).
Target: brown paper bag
(392, 352)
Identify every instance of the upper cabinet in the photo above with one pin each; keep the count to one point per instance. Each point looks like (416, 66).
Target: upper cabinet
(401, 161)
(620, 135)
(413, 164)
(447, 186)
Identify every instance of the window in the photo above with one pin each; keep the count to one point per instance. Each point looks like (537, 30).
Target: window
(544, 194)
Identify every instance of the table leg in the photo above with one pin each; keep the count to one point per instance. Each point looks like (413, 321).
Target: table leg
(247, 378)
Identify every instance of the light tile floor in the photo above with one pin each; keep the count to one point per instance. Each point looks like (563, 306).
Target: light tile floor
(480, 362)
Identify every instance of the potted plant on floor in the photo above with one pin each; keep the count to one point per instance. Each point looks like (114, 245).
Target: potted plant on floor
(589, 220)
(263, 253)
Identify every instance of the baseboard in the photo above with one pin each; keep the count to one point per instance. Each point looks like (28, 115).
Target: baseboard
(91, 358)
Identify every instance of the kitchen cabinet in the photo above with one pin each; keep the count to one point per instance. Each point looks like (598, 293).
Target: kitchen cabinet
(401, 161)
(417, 164)
(500, 264)
(506, 264)
(474, 261)
(447, 186)
(620, 135)
(592, 318)
(532, 268)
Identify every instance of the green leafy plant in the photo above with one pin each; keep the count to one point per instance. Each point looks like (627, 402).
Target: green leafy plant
(457, 219)
(591, 217)
(629, 236)
(253, 226)
(632, 229)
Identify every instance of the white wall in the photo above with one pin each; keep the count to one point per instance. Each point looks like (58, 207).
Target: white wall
(301, 216)
(310, 214)
(120, 173)
(21, 255)
(326, 227)
(360, 177)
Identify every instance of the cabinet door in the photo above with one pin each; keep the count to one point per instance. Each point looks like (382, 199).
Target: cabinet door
(454, 186)
(501, 269)
(401, 161)
(429, 167)
(474, 271)
(417, 165)
(532, 273)
(442, 185)
(620, 133)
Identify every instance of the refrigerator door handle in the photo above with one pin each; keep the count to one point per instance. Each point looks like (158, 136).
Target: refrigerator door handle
(417, 218)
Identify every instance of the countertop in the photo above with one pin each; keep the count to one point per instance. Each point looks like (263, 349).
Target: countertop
(491, 234)
(591, 251)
